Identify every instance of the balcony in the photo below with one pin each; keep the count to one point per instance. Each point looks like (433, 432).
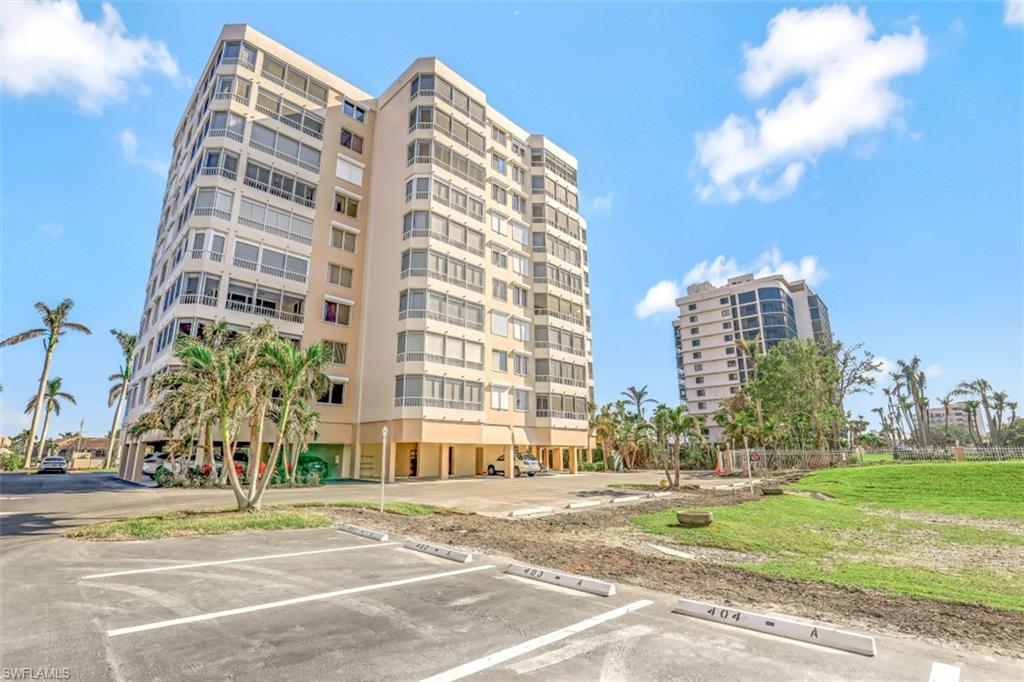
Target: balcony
(551, 379)
(410, 234)
(262, 311)
(281, 272)
(434, 274)
(541, 345)
(270, 229)
(291, 88)
(241, 62)
(245, 264)
(305, 165)
(223, 172)
(438, 402)
(232, 96)
(224, 132)
(558, 285)
(553, 414)
(278, 192)
(455, 207)
(447, 133)
(210, 255)
(559, 315)
(457, 173)
(198, 299)
(419, 356)
(440, 317)
(209, 210)
(315, 134)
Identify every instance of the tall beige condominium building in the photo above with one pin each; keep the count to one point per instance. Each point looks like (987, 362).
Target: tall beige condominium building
(958, 416)
(435, 245)
(711, 319)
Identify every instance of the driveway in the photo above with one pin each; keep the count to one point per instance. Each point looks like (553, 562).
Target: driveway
(35, 503)
(322, 604)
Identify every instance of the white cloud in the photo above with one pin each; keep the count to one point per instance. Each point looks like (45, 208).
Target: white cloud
(50, 48)
(933, 371)
(661, 297)
(771, 262)
(52, 230)
(130, 150)
(844, 90)
(1014, 15)
(601, 205)
(886, 366)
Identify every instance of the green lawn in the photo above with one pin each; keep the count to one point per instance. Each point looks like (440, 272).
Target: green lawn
(876, 457)
(988, 490)
(198, 523)
(842, 542)
(402, 508)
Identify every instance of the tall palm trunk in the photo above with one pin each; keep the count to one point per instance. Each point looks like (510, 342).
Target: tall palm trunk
(255, 502)
(256, 448)
(37, 413)
(42, 436)
(113, 428)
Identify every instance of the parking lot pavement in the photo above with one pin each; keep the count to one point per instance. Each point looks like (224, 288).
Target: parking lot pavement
(319, 604)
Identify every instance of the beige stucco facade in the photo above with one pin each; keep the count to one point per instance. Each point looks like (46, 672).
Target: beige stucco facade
(436, 245)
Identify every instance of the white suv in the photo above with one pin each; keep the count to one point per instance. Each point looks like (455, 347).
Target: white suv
(525, 464)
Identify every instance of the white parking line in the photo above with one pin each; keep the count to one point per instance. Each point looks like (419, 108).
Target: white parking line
(289, 602)
(498, 657)
(178, 567)
(943, 672)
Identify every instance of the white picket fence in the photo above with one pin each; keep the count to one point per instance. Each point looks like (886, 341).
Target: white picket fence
(795, 460)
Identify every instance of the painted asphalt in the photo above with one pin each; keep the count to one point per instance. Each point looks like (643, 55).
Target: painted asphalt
(323, 604)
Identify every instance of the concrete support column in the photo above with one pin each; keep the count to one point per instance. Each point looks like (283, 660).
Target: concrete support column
(574, 460)
(357, 453)
(390, 459)
(510, 462)
(590, 455)
(442, 451)
(558, 458)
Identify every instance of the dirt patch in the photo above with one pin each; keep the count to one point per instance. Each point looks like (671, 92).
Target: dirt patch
(602, 543)
(1008, 525)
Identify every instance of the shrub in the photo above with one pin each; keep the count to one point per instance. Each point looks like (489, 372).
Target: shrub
(11, 460)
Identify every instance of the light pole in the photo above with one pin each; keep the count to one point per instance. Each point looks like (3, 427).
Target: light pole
(383, 464)
(750, 473)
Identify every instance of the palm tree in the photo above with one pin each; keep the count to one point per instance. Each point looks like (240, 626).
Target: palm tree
(754, 351)
(296, 376)
(638, 396)
(302, 431)
(51, 404)
(971, 408)
(947, 406)
(980, 388)
(119, 389)
(55, 325)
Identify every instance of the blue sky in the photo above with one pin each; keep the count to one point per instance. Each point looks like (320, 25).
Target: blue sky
(904, 208)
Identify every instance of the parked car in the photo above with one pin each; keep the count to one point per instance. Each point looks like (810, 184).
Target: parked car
(153, 462)
(53, 463)
(525, 463)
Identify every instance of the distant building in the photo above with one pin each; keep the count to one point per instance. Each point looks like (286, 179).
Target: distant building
(710, 368)
(957, 417)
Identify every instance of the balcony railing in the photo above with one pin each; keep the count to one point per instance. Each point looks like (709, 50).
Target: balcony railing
(291, 88)
(209, 210)
(224, 132)
(419, 356)
(277, 192)
(229, 174)
(577, 262)
(198, 299)
(262, 311)
(284, 157)
(245, 264)
(434, 274)
(554, 414)
(409, 234)
(211, 255)
(270, 229)
(440, 317)
(461, 209)
(232, 95)
(288, 122)
(558, 285)
(241, 62)
(457, 173)
(552, 379)
(281, 272)
(559, 315)
(438, 402)
(540, 345)
(451, 136)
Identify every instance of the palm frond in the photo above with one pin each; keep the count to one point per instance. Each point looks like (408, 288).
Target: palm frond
(22, 337)
(77, 327)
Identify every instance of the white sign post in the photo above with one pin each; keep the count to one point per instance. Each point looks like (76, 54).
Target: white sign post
(383, 464)
(750, 473)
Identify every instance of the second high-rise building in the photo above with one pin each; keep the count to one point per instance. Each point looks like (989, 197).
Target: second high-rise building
(432, 243)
